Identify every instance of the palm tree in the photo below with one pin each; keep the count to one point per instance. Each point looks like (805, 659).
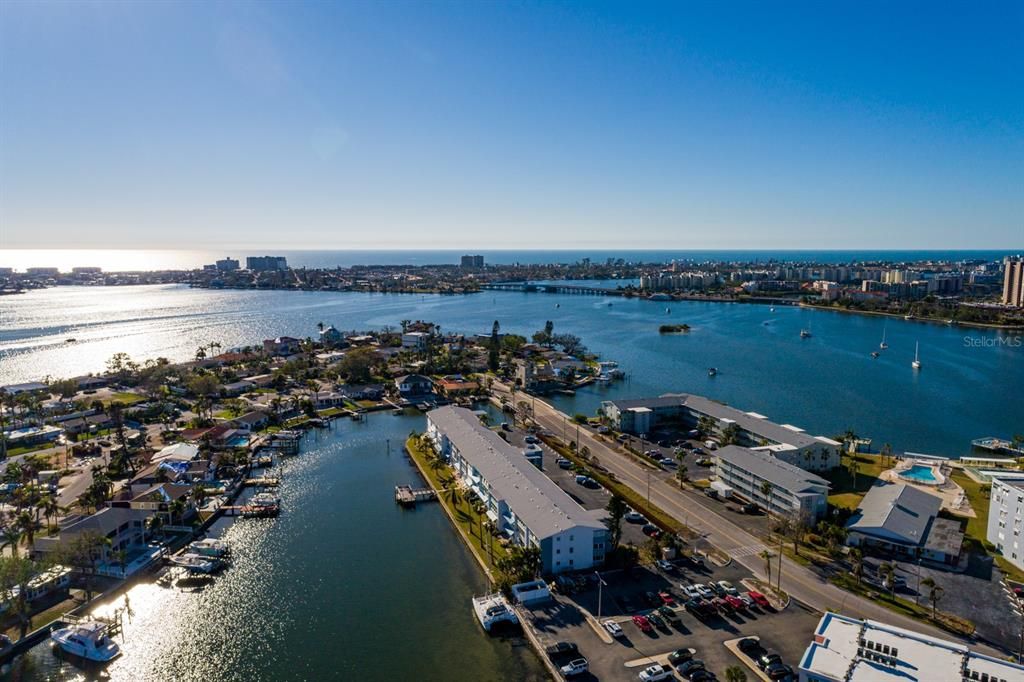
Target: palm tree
(176, 509)
(27, 524)
(767, 556)
(857, 563)
(734, 673)
(888, 572)
(51, 508)
(767, 490)
(852, 468)
(934, 593)
(12, 536)
(682, 473)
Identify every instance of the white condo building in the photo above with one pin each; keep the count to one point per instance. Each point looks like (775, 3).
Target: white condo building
(1006, 518)
(850, 650)
(520, 499)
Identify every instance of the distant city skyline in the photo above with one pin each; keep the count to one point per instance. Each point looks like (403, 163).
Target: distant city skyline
(482, 127)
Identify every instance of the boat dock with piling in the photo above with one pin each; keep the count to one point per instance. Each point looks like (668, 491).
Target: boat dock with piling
(407, 496)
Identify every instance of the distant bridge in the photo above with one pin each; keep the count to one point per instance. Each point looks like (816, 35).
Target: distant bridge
(553, 288)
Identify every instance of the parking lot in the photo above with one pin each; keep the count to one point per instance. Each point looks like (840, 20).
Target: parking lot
(786, 633)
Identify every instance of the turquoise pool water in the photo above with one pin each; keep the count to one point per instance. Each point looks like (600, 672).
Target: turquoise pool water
(920, 473)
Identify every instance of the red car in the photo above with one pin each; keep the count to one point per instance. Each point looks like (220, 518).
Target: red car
(642, 623)
(667, 599)
(735, 602)
(759, 599)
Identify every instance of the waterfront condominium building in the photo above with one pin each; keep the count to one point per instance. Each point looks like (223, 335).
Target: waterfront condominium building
(789, 443)
(1006, 518)
(847, 649)
(790, 490)
(523, 503)
(1013, 282)
(475, 262)
(264, 263)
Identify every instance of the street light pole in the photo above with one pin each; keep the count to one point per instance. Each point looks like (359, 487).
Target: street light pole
(600, 594)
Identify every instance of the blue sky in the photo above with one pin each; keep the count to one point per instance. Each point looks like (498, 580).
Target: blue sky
(512, 125)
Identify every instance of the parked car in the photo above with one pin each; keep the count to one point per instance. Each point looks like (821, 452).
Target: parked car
(633, 516)
(505, 426)
(613, 628)
(717, 589)
(563, 463)
(650, 530)
(690, 667)
(655, 673)
(560, 648)
(652, 599)
(666, 598)
(750, 508)
(720, 605)
(759, 599)
(575, 667)
(778, 671)
(698, 607)
(767, 660)
(728, 587)
(603, 430)
(642, 623)
(689, 590)
(667, 462)
(531, 439)
(751, 647)
(702, 675)
(669, 613)
(735, 603)
(623, 438)
(657, 621)
(704, 591)
(747, 601)
(666, 566)
(680, 656)
(653, 453)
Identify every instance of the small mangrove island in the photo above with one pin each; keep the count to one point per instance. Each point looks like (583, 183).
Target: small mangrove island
(673, 329)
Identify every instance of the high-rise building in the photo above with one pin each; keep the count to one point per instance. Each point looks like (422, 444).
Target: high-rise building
(473, 262)
(1013, 282)
(227, 264)
(263, 263)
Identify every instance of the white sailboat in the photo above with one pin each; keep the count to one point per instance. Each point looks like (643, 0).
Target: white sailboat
(883, 345)
(916, 364)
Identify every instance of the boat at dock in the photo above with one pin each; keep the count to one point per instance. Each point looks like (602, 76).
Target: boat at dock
(493, 609)
(993, 444)
(210, 547)
(88, 640)
(196, 563)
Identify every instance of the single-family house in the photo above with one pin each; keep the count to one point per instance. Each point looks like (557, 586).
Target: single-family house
(414, 386)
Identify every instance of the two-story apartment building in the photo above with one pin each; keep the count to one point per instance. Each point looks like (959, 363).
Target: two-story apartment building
(788, 443)
(520, 499)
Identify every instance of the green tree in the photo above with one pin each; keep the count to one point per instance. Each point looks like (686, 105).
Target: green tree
(494, 351)
(767, 556)
(731, 434)
(616, 512)
(768, 491)
(734, 673)
(357, 365)
(857, 563)
(934, 593)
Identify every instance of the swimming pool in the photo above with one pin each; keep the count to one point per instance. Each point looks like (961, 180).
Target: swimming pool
(922, 473)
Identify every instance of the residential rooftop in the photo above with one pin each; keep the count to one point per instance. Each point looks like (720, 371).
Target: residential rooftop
(770, 468)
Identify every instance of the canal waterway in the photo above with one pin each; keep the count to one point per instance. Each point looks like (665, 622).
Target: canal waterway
(968, 386)
(343, 585)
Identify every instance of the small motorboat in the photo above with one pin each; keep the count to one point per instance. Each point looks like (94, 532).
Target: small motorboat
(210, 547)
(712, 371)
(668, 311)
(805, 333)
(87, 640)
(875, 354)
(772, 309)
(195, 563)
(916, 364)
(558, 305)
(71, 340)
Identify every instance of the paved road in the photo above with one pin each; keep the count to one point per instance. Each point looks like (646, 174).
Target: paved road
(801, 583)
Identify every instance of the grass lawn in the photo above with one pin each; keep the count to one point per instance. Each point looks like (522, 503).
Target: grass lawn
(125, 398)
(921, 612)
(366, 404)
(330, 411)
(845, 491)
(468, 522)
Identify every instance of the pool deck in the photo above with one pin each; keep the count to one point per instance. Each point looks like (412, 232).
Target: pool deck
(953, 497)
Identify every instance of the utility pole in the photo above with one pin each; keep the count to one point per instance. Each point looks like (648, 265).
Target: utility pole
(600, 585)
(648, 490)
(779, 581)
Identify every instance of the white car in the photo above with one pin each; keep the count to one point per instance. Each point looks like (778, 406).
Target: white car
(575, 667)
(704, 591)
(728, 587)
(613, 628)
(655, 673)
(691, 591)
(633, 516)
(666, 566)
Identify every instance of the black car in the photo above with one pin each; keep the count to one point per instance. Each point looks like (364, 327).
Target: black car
(767, 660)
(752, 648)
(650, 530)
(699, 608)
(690, 667)
(680, 656)
(560, 648)
(657, 621)
(703, 676)
(652, 599)
(778, 671)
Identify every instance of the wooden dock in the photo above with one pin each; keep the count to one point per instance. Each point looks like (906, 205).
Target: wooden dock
(265, 481)
(407, 496)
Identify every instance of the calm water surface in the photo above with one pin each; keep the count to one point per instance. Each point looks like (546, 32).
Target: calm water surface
(344, 585)
(969, 386)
